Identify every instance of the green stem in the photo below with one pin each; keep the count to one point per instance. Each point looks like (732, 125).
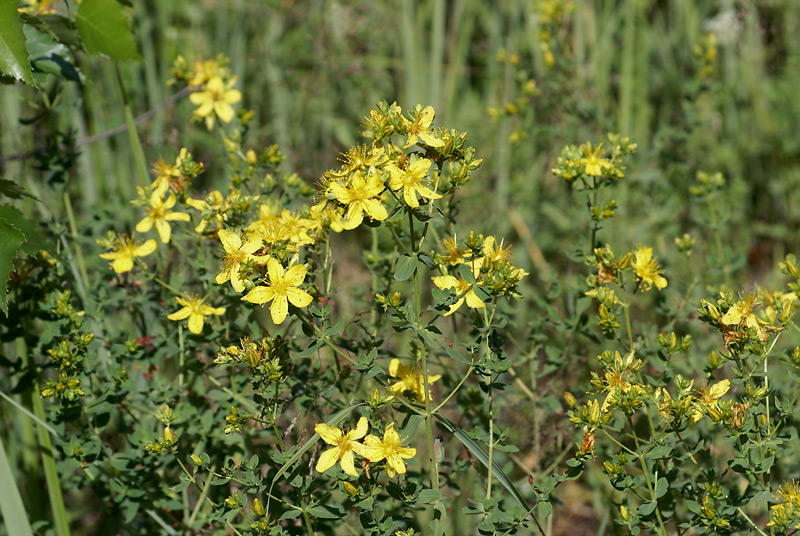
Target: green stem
(136, 144)
(434, 469)
(646, 475)
(306, 519)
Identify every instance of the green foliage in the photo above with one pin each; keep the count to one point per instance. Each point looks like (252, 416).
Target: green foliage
(642, 378)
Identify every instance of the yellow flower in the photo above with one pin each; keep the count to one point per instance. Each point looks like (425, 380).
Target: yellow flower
(125, 251)
(296, 228)
(461, 286)
(741, 314)
(593, 164)
(216, 99)
(420, 128)
(410, 381)
(648, 270)
(237, 253)
(159, 214)
(411, 181)
(281, 290)
(345, 446)
(390, 449)
(453, 253)
(360, 197)
(195, 311)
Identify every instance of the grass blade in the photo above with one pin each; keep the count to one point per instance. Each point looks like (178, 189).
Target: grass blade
(11, 506)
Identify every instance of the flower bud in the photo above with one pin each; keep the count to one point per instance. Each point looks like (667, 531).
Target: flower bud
(251, 157)
(258, 508)
(169, 436)
(196, 460)
(569, 399)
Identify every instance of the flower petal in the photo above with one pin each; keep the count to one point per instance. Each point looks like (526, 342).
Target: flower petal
(196, 323)
(275, 271)
(295, 275)
(164, 231)
(260, 295)
(279, 309)
(329, 434)
(145, 225)
(360, 430)
(180, 314)
(298, 297)
(327, 460)
(348, 463)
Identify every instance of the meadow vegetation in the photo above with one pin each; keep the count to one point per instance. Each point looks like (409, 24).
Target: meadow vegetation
(419, 267)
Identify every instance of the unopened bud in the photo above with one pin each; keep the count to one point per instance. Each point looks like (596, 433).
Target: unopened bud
(251, 157)
(258, 508)
(569, 399)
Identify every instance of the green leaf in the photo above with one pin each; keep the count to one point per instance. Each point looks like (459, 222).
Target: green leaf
(11, 506)
(56, 26)
(34, 242)
(13, 190)
(105, 31)
(405, 267)
(14, 59)
(11, 242)
(659, 451)
(428, 496)
(478, 452)
(647, 508)
(324, 511)
(661, 487)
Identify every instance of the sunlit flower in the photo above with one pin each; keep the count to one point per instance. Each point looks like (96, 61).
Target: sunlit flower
(217, 98)
(195, 311)
(125, 251)
(648, 270)
(742, 313)
(360, 197)
(237, 253)
(390, 448)
(159, 213)
(420, 129)
(410, 381)
(453, 253)
(460, 286)
(345, 446)
(412, 181)
(281, 290)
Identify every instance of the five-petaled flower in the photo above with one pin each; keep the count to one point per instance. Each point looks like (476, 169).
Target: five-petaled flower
(360, 197)
(216, 99)
(125, 251)
(390, 449)
(281, 290)
(159, 214)
(237, 253)
(420, 129)
(195, 311)
(648, 270)
(410, 381)
(412, 181)
(345, 446)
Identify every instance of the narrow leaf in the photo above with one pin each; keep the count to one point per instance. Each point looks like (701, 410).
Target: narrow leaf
(11, 242)
(11, 506)
(478, 452)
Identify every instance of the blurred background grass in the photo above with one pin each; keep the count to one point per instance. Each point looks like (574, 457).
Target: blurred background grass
(700, 86)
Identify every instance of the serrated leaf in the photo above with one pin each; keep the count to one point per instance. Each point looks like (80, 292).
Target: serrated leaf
(34, 242)
(105, 31)
(405, 267)
(11, 242)
(14, 59)
(13, 190)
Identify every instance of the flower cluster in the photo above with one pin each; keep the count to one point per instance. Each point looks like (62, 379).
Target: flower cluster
(482, 269)
(592, 167)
